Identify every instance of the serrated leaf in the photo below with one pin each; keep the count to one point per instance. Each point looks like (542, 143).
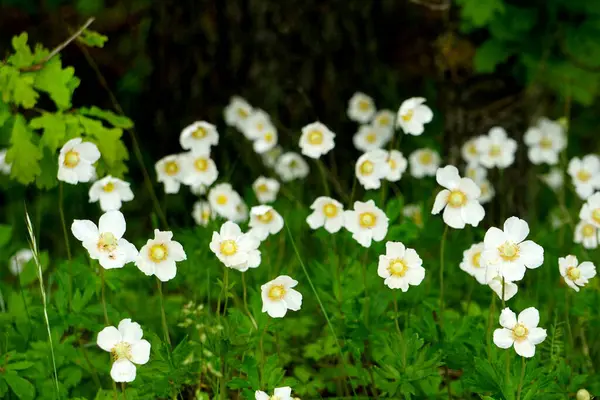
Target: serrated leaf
(17, 87)
(92, 38)
(118, 121)
(23, 154)
(491, 53)
(21, 387)
(22, 57)
(47, 179)
(4, 113)
(109, 142)
(58, 82)
(54, 128)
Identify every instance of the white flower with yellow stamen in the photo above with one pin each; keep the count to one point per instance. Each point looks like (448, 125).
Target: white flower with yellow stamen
(509, 253)
(469, 151)
(278, 296)
(258, 123)
(199, 137)
(471, 263)
(110, 192)
(267, 140)
(370, 138)
(397, 165)
(291, 166)
(545, 140)
(459, 199)
(282, 393)
(105, 242)
(576, 275)
(234, 248)
(224, 200)
(202, 213)
(371, 168)
(384, 120)
(127, 348)
(475, 172)
(198, 169)
(316, 139)
(366, 222)
(237, 112)
(4, 166)
(510, 288)
(413, 115)
(587, 234)
(585, 173)
(76, 161)
(400, 267)
(555, 179)
(590, 211)
(361, 108)
(327, 213)
(265, 189)
(522, 332)
(424, 162)
(487, 191)
(169, 171)
(414, 212)
(496, 149)
(265, 221)
(17, 262)
(160, 255)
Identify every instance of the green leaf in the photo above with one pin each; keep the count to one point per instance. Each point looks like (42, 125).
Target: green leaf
(513, 23)
(5, 234)
(92, 38)
(54, 127)
(491, 53)
(4, 113)
(118, 121)
(21, 387)
(23, 57)
(23, 154)
(17, 87)
(109, 142)
(58, 82)
(19, 365)
(47, 179)
(480, 12)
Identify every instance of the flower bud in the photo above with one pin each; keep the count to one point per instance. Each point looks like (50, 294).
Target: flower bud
(583, 394)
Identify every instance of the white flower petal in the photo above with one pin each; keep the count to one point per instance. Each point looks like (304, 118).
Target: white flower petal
(108, 338)
(503, 338)
(123, 370)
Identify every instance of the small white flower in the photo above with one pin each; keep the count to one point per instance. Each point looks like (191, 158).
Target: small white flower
(266, 141)
(413, 115)
(371, 168)
(240, 211)
(366, 223)
(470, 152)
(257, 125)
(384, 120)
(590, 211)
(234, 248)
(199, 137)
(160, 255)
(585, 174)
(224, 200)
(328, 213)
(237, 112)
(316, 140)
(76, 161)
(496, 149)
(424, 162)
(459, 199)
(545, 140)
(169, 171)
(400, 267)
(583, 394)
(111, 192)
(414, 212)
(476, 173)
(126, 347)
(105, 242)
(361, 108)
(575, 274)
(278, 296)
(471, 263)
(587, 234)
(370, 138)
(4, 166)
(291, 166)
(198, 189)
(265, 189)
(18, 260)
(265, 221)
(397, 165)
(554, 179)
(270, 157)
(198, 169)
(510, 288)
(509, 253)
(202, 213)
(282, 393)
(522, 332)
(487, 191)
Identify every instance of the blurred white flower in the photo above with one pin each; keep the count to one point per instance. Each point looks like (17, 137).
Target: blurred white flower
(370, 138)
(575, 274)
(199, 137)
(487, 191)
(257, 124)
(234, 248)
(585, 173)
(223, 200)
(413, 115)
(169, 171)
(327, 213)
(583, 394)
(510, 288)
(265, 189)
(554, 179)
(471, 263)
(470, 153)
(414, 212)
(522, 332)
(111, 192)
(76, 161)
(590, 211)
(316, 139)
(475, 172)
(278, 296)
(282, 393)
(423, 162)
(586, 234)
(198, 189)
(160, 255)
(18, 260)
(397, 165)
(371, 168)
(126, 347)
(237, 112)
(384, 120)
(240, 211)
(202, 213)
(366, 222)
(265, 221)
(400, 267)
(198, 169)
(270, 157)
(361, 108)
(4, 166)
(267, 140)
(545, 140)
(291, 166)
(496, 149)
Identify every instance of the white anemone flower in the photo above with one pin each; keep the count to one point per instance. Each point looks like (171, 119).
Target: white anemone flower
(126, 347)
(223, 200)
(240, 211)
(327, 213)
(397, 165)
(400, 267)
(237, 112)
(470, 152)
(270, 157)
(424, 162)
(258, 123)
(510, 288)
(587, 234)
(590, 211)
(371, 168)
(509, 253)
(522, 332)
(265, 189)
(316, 140)
(384, 120)
(18, 260)
(76, 161)
(412, 116)
(110, 192)
(234, 248)
(576, 275)
(496, 149)
(361, 108)
(199, 137)
(5, 167)
(265, 221)
(291, 166)
(459, 199)
(202, 213)
(555, 179)
(370, 138)
(366, 222)
(282, 393)
(105, 242)
(278, 296)
(487, 191)
(476, 173)
(545, 140)
(414, 212)
(471, 263)
(585, 173)
(266, 141)
(160, 255)
(198, 169)
(169, 171)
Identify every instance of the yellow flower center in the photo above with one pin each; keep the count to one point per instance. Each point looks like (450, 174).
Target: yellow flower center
(120, 351)
(495, 150)
(476, 259)
(573, 273)
(588, 230)
(158, 252)
(330, 210)
(408, 116)
(268, 137)
(384, 121)
(228, 247)
(371, 137)
(262, 188)
(171, 168)
(364, 105)
(425, 158)
(109, 187)
(315, 137)
(276, 292)
(366, 168)
(397, 267)
(201, 164)
(418, 218)
(260, 126)
(367, 219)
(457, 199)
(392, 163)
(71, 159)
(508, 251)
(583, 175)
(221, 199)
(199, 133)
(293, 164)
(472, 149)
(266, 217)
(205, 214)
(107, 242)
(596, 215)
(242, 113)
(520, 332)
(546, 143)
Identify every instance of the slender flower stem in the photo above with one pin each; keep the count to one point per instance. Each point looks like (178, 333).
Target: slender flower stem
(567, 317)
(442, 248)
(489, 325)
(163, 315)
(367, 301)
(246, 301)
(106, 321)
(323, 173)
(226, 289)
(66, 237)
(521, 379)
(398, 328)
(503, 292)
(123, 389)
